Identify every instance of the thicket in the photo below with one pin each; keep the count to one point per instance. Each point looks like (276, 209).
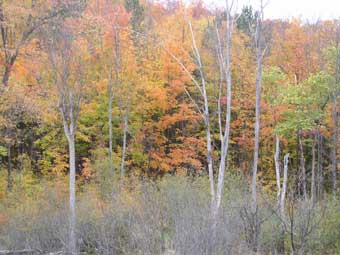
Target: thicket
(168, 216)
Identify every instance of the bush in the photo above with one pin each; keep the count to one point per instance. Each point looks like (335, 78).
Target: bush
(168, 216)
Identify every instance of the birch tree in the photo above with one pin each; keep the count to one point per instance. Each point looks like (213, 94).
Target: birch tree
(258, 37)
(227, 72)
(224, 62)
(68, 78)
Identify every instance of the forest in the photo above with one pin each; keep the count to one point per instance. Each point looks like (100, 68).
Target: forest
(144, 127)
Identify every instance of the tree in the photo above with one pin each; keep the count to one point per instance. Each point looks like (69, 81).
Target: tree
(19, 115)
(17, 27)
(273, 80)
(335, 111)
(224, 62)
(304, 112)
(247, 20)
(68, 77)
(259, 46)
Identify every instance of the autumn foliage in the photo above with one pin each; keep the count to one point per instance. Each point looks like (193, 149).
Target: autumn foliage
(144, 51)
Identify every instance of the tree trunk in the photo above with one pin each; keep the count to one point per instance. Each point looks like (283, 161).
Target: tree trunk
(284, 184)
(335, 116)
(126, 128)
(6, 75)
(206, 117)
(9, 168)
(282, 198)
(210, 162)
(225, 140)
(257, 128)
(303, 168)
(277, 167)
(72, 219)
(297, 172)
(259, 60)
(320, 166)
(312, 190)
(10, 59)
(110, 121)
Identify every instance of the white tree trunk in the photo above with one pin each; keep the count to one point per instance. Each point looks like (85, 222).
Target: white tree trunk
(284, 185)
(259, 60)
(69, 94)
(72, 219)
(206, 122)
(210, 168)
(69, 129)
(257, 128)
(225, 141)
(277, 167)
(216, 195)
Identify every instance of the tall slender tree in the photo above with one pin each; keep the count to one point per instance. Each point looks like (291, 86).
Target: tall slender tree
(68, 77)
(259, 46)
